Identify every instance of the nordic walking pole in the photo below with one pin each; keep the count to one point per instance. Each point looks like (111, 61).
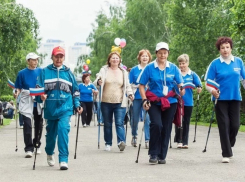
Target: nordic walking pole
(170, 142)
(16, 149)
(75, 119)
(93, 108)
(141, 137)
(37, 144)
(181, 120)
(75, 156)
(99, 116)
(211, 120)
(196, 118)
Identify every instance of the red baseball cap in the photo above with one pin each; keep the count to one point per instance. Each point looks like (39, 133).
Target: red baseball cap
(58, 50)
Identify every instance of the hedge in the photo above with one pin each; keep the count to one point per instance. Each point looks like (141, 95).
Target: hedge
(205, 107)
(7, 98)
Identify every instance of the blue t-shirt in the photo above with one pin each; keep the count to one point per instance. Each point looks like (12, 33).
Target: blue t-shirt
(155, 78)
(227, 76)
(86, 94)
(190, 77)
(27, 78)
(133, 76)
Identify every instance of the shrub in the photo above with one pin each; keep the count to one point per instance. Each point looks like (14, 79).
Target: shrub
(206, 106)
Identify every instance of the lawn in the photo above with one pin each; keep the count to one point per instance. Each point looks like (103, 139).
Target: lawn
(5, 122)
(242, 127)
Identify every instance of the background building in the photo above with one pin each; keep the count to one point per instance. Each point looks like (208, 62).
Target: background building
(46, 50)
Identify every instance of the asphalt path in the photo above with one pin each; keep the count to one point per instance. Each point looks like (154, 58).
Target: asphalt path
(93, 164)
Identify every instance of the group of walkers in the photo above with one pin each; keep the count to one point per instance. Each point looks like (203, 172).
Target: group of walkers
(152, 90)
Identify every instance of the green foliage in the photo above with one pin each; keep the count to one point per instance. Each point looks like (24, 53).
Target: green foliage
(6, 98)
(18, 36)
(205, 108)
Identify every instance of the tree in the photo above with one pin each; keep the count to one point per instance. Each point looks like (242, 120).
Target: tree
(18, 36)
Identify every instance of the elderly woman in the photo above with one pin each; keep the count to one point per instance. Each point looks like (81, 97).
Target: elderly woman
(87, 89)
(115, 88)
(226, 70)
(188, 76)
(144, 57)
(161, 76)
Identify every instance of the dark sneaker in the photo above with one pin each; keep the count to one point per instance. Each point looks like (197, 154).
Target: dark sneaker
(134, 141)
(121, 146)
(153, 159)
(161, 161)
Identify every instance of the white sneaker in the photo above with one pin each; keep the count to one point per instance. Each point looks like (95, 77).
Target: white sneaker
(39, 151)
(63, 166)
(28, 154)
(179, 145)
(50, 160)
(84, 125)
(107, 148)
(225, 160)
(21, 127)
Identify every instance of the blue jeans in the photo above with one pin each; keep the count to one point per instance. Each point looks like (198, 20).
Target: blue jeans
(137, 109)
(99, 114)
(60, 127)
(108, 109)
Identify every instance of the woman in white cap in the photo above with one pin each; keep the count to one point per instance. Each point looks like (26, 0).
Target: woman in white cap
(161, 76)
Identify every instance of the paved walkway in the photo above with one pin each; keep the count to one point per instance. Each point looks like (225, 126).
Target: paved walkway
(93, 164)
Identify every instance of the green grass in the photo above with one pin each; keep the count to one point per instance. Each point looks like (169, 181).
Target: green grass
(5, 122)
(242, 127)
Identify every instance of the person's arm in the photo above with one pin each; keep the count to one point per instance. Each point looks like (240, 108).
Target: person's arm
(128, 87)
(197, 82)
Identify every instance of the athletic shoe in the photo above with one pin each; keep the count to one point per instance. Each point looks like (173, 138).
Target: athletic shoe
(39, 151)
(225, 160)
(63, 166)
(121, 146)
(28, 154)
(185, 147)
(153, 159)
(161, 161)
(147, 144)
(134, 141)
(179, 145)
(21, 127)
(84, 125)
(231, 157)
(50, 160)
(107, 148)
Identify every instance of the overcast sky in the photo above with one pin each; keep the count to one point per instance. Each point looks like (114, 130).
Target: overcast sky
(67, 20)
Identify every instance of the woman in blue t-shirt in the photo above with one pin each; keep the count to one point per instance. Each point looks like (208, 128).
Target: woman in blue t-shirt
(190, 78)
(226, 71)
(161, 77)
(87, 89)
(144, 57)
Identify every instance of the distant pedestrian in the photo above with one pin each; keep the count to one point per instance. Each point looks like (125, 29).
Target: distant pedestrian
(87, 90)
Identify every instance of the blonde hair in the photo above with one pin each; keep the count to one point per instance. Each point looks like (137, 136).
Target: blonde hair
(183, 58)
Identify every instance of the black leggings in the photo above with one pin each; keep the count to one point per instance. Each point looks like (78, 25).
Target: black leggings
(87, 112)
(185, 125)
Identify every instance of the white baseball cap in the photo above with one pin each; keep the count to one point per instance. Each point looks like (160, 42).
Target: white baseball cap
(32, 55)
(162, 45)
